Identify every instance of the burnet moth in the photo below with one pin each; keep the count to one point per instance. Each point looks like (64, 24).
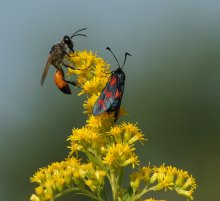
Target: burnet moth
(110, 97)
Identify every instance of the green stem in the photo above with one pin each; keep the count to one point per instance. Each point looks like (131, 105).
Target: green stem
(115, 179)
(136, 197)
(120, 177)
(81, 191)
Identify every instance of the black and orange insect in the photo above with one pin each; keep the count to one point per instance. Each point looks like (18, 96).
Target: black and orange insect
(56, 59)
(111, 96)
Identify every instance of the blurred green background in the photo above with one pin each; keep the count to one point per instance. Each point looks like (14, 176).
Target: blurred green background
(172, 86)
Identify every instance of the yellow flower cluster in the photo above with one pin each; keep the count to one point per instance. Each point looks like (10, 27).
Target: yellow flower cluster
(108, 149)
(98, 136)
(66, 176)
(92, 73)
(164, 177)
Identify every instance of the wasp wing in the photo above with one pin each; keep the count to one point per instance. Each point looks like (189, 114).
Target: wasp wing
(109, 97)
(47, 66)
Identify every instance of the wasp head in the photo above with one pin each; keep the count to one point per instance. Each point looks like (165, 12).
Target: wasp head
(68, 42)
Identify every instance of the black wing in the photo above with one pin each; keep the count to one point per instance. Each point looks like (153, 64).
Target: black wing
(110, 97)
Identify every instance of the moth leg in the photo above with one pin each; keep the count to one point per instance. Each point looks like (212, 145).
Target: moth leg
(116, 114)
(116, 109)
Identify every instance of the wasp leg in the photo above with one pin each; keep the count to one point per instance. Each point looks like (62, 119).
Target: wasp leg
(67, 66)
(74, 83)
(66, 53)
(71, 82)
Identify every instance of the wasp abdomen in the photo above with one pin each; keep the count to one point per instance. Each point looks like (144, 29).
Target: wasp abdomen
(60, 83)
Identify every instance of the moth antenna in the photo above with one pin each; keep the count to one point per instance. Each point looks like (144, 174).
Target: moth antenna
(74, 34)
(109, 49)
(126, 54)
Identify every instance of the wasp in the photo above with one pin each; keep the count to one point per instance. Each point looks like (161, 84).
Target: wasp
(110, 98)
(56, 59)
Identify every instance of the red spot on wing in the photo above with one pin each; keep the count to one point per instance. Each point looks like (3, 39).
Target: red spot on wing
(113, 81)
(101, 103)
(107, 94)
(117, 94)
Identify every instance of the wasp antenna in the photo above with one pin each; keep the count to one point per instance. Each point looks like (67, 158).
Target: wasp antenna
(80, 35)
(109, 49)
(126, 54)
(74, 34)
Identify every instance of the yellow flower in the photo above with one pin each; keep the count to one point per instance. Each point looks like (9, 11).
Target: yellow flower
(34, 198)
(120, 155)
(94, 122)
(92, 86)
(131, 133)
(142, 175)
(101, 123)
(126, 133)
(133, 159)
(116, 131)
(92, 72)
(94, 178)
(185, 193)
(87, 139)
(100, 174)
(107, 149)
(39, 190)
(89, 103)
(164, 177)
(190, 182)
(90, 184)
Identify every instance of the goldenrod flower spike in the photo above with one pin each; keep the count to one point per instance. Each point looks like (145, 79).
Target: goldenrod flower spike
(108, 148)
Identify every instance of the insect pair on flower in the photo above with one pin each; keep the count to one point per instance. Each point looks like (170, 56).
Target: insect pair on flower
(110, 98)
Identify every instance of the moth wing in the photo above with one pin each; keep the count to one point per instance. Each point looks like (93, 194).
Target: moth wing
(107, 96)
